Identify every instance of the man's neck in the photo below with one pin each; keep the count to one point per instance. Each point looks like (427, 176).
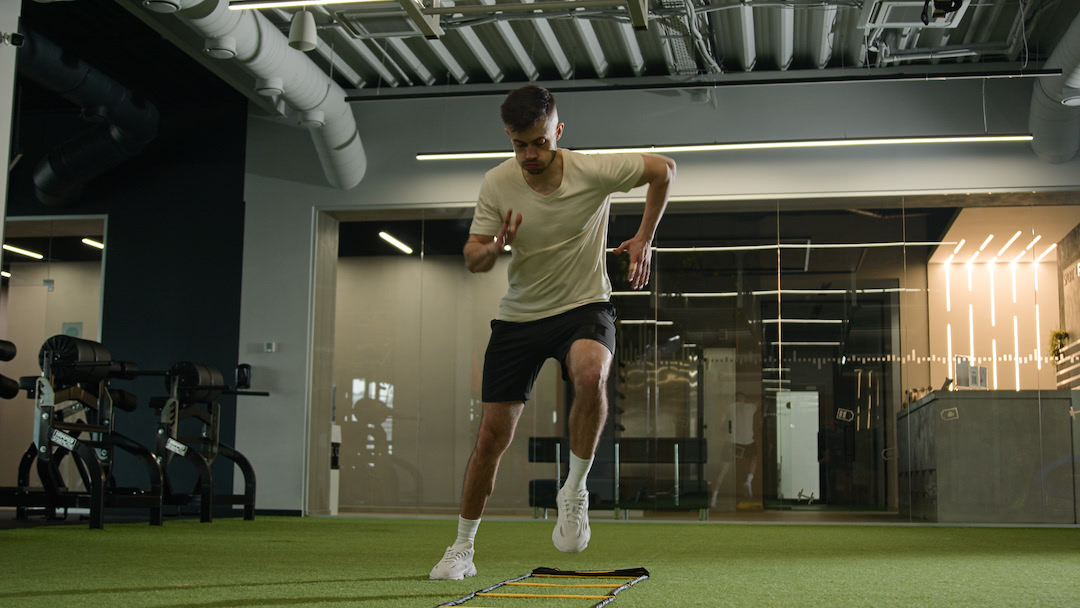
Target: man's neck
(548, 181)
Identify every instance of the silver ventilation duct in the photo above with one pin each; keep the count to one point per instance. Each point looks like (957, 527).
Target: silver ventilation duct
(126, 122)
(1054, 120)
(255, 42)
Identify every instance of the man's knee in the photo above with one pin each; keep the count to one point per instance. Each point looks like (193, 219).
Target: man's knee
(492, 442)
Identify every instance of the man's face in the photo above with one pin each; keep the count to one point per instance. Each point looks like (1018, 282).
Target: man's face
(535, 148)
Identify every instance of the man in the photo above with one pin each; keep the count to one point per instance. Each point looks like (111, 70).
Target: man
(557, 303)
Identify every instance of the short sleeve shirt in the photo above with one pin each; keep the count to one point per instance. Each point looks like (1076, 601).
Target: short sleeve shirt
(558, 256)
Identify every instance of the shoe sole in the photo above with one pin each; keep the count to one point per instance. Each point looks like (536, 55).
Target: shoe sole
(467, 574)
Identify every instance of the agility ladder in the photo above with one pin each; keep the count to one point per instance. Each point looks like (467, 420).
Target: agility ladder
(632, 576)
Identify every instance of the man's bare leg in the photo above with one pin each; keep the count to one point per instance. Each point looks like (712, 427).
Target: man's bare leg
(588, 364)
(497, 426)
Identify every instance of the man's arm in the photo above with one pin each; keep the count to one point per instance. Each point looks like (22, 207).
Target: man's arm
(659, 174)
(481, 251)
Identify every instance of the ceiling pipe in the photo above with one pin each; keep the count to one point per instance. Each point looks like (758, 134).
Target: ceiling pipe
(125, 122)
(1055, 125)
(260, 47)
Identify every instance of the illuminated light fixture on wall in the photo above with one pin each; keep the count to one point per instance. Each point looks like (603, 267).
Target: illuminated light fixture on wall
(971, 260)
(506, 247)
(645, 322)
(1043, 254)
(5, 274)
(803, 321)
(986, 242)
(993, 345)
(395, 242)
(20, 251)
(1016, 350)
(1038, 345)
(1018, 256)
(949, 371)
(93, 243)
(761, 145)
(1014, 237)
(789, 343)
(958, 246)
(1032, 243)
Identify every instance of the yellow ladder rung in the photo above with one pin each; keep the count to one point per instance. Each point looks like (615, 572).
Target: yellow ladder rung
(609, 586)
(556, 596)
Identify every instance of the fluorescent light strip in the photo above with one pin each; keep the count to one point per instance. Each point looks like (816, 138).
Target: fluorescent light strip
(1014, 237)
(776, 369)
(29, 254)
(958, 246)
(787, 343)
(793, 292)
(645, 322)
(93, 243)
(993, 308)
(804, 321)
(798, 246)
(993, 345)
(1016, 350)
(247, 5)
(776, 380)
(971, 260)
(395, 242)
(631, 293)
(986, 242)
(764, 145)
(1043, 254)
(1032, 243)
(5, 274)
(971, 331)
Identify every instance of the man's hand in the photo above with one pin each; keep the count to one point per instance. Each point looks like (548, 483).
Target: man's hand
(482, 251)
(507, 233)
(640, 250)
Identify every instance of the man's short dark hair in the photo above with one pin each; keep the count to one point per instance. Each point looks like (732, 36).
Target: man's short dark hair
(524, 108)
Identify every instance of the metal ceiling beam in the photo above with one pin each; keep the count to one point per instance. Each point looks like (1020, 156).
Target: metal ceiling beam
(448, 60)
(821, 36)
(516, 49)
(743, 34)
(475, 45)
(428, 24)
(338, 64)
(777, 78)
(639, 13)
(633, 50)
(554, 49)
(592, 47)
(412, 60)
(785, 36)
(361, 49)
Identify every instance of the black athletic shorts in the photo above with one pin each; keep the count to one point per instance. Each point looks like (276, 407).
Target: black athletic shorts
(517, 351)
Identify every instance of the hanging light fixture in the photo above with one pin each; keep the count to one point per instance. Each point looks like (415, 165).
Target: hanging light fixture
(302, 35)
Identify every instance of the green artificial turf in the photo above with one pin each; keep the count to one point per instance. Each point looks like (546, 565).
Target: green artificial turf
(384, 562)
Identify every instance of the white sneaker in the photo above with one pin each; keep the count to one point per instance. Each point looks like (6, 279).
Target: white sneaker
(571, 533)
(455, 565)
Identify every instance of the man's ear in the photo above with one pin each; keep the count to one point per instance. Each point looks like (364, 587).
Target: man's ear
(558, 131)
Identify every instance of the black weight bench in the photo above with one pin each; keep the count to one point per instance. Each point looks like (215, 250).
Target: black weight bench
(193, 394)
(75, 378)
(629, 492)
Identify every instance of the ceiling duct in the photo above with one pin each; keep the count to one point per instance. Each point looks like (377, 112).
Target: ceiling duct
(125, 122)
(1053, 121)
(264, 52)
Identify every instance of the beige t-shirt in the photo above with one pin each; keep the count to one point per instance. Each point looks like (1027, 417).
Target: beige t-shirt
(558, 259)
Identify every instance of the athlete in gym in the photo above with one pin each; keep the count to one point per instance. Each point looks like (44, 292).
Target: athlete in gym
(552, 205)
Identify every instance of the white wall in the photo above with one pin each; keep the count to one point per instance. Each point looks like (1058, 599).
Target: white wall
(285, 183)
(9, 22)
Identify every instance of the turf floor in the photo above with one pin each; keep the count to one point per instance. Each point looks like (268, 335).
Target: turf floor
(384, 562)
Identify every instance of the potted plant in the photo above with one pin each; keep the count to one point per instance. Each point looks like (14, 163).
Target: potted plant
(1058, 339)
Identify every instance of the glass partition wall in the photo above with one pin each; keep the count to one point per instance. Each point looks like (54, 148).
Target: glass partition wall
(881, 359)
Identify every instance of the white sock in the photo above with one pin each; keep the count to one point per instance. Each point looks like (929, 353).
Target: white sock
(749, 478)
(466, 530)
(579, 472)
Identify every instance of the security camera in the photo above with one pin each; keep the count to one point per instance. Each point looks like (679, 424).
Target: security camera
(13, 39)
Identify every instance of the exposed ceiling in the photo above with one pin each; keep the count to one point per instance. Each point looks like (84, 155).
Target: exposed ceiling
(375, 48)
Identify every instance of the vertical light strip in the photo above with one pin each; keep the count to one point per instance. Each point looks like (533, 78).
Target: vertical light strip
(969, 265)
(971, 331)
(1012, 269)
(948, 288)
(1016, 351)
(1035, 275)
(1038, 344)
(993, 307)
(993, 346)
(949, 365)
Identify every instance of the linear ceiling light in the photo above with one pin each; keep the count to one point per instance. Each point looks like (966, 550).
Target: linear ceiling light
(395, 242)
(1043, 254)
(986, 242)
(787, 343)
(5, 274)
(93, 243)
(1014, 237)
(763, 145)
(958, 246)
(802, 321)
(29, 254)
(645, 322)
(1032, 243)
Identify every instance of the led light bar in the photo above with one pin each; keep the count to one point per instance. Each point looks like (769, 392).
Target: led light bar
(762, 145)
(395, 242)
(29, 254)
(93, 243)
